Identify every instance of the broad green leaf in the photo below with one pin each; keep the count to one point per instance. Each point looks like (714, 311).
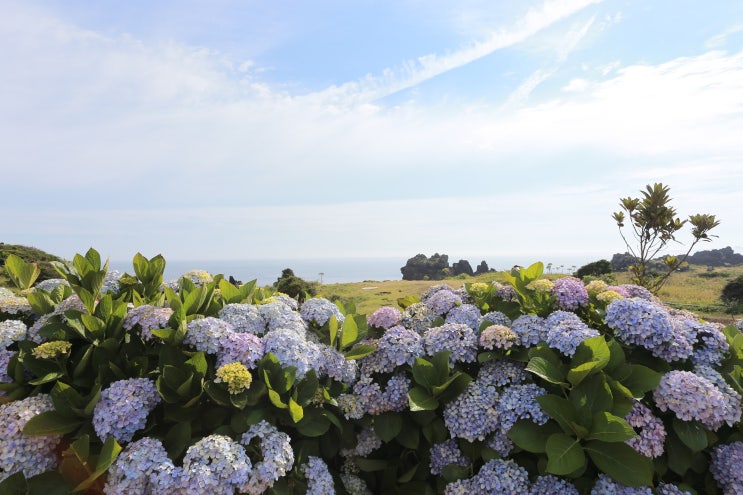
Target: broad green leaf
(691, 433)
(295, 410)
(369, 465)
(642, 379)
(534, 271)
(577, 374)
(616, 355)
(358, 351)
(230, 293)
(559, 409)
(564, 454)
(424, 373)
(15, 484)
(49, 377)
(22, 274)
(275, 399)
(313, 424)
(592, 395)
(421, 400)
(621, 462)
(609, 428)
(591, 356)
(178, 438)
(388, 425)
(333, 329)
(109, 452)
(49, 483)
(440, 362)
(198, 363)
(530, 436)
(349, 333)
(546, 370)
(306, 388)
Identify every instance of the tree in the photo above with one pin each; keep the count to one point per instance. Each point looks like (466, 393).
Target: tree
(293, 286)
(732, 295)
(655, 224)
(596, 268)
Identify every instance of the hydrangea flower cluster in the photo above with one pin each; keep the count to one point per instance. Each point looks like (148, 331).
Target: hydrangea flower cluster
(447, 453)
(466, 314)
(541, 285)
(520, 402)
(396, 347)
(319, 479)
(137, 467)
(216, 464)
(205, 334)
(293, 349)
(726, 466)
(502, 476)
(651, 432)
(367, 442)
(277, 455)
(318, 310)
(531, 330)
(385, 317)
(18, 452)
(235, 375)
(607, 486)
(669, 489)
(595, 287)
(280, 315)
(552, 485)
(639, 322)
(442, 301)
(693, 397)
(368, 397)
(497, 318)
(111, 282)
(502, 372)
(497, 337)
(5, 356)
(570, 292)
(712, 345)
(608, 296)
(51, 349)
(457, 338)
(11, 331)
(245, 348)
(124, 407)
(244, 318)
(418, 317)
(505, 292)
(148, 318)
(13, 305)
(473, 415)
(566, 331)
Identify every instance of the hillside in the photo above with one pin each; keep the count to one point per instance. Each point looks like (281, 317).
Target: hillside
(30, 255)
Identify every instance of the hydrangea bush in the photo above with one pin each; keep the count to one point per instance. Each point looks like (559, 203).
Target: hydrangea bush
(129, 384)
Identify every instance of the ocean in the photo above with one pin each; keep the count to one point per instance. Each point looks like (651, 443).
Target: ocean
(340, 270)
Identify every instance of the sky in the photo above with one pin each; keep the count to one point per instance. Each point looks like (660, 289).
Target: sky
(217, 130)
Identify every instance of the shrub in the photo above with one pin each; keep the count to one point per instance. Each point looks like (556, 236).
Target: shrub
(563, 387)
(732, 295)
(596, 269)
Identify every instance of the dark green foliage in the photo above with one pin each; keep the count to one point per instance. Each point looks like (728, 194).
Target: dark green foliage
(595, 268)
(29, 255)
(732, 295)
(293, 286)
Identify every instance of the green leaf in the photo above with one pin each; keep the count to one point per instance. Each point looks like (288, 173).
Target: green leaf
(230, 293)
(641, 379)
(349, 333)
(421, 400)
(333, 330)
(49, 483)
(275, 399)
(15, 484)
(109, 452)
(616, 355)
(424, 373)
(592, 395)
(51, 423)
(22, 274)
(591, 356)
(358, 351)
(177, 439)
(387, 425)
(621, 462)
(609, 428)
(559, 409)
(564, 454)
(534, 271)
(530, 436)
(313, 424)
(546, 370)
(691, 434)
(295, 410)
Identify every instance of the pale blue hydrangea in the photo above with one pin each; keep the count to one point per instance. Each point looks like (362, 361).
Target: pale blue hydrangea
(726, 466)
(552, 485)
(570, 292)
(289, 301)
(457, 338)
(385, 317)
(418, 317)
(500, 442)
(319, 479)
(732, 396)
(371, 399)
(276, 453)
(607, 486)
(640, 322)
(446, 453)
(5, 357)
(497, 318)
(11, 304)
(693, 397)
(292, 349)
(318, 310)
(520, 402)
(473, 415)
(124, 407)
(217, 465)
(11, 331)
(428, 293)
(505, 292)
(497, 337)
(72, 303)
(501, 476)
(244, 318)
(137, 466)
(396, 347)
(111, 282)
(18, 452)
(205, 334)
(335, 365)
(669, 489)
(566, 331)
(650, 429)
(148, 318)
(354, 485)
(633, 290)
(278, 315)
(711, 345)
(531, 330)
(502, 372)
(245, 348)
(442, 302)
(467, 314)
(367, 442)
(50, 284)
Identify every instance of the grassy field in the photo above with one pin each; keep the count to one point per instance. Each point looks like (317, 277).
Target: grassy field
(697, 290)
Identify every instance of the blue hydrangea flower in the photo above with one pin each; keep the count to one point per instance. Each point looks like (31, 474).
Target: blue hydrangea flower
(570, 292)
(520, 402)
(135, 469)
(215, 465)
(497, 337)
(5, 356)
(336, 366)
(693, 397)
(457, 338)
(638, 291)
(18, 452)
(385, 317)
(370, 399)
(111, 282)
(428, 293)
(651, 432)
(319, 479)
(467, 314)
(148, 318)
(566, 331)
(50, 284)
(318, 310)
(278, 314)
(473, 415)
(11, 331)
(245, 348)
(277, 457)
(500, 442)
(367, 442)
(124, 407)
(447, 453)
(501, 476)
(607, 486)
(497, 318)
(552, 485)
(205, 334)
(354, 485)
(502, 372)
(442, 302)
(639, 322)
(293, 349)
(726, 466)
(244, 318)
(531, 330)
(418, 317)
(505, 292)
(669, 489)
(396, 347)
(711, 345)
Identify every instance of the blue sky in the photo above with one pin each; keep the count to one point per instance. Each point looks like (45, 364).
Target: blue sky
(247, 129)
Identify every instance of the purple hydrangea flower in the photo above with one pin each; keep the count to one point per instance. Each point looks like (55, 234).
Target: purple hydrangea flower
(368, 397)
(639, 322)
(215, 465)
(18, 452)
(570, 292)
(607, 486)
(293, 349)
(244, 318)
(552, 485)
(336, 366)
(385, 317)
(467, 314)
(669, 489)
(638, 291)
(396, 347)
(457, 338)
(520, 402)
(245, 348)
(277, 455)
(447, 453)
(531, 330)
(726, 466)
(500, 442)
(148, 318)
(442, 302)
(135, 469)
(712, 345)
(124, 407)
(318, 310)
(505, 292)
(319, 479)
(566, 331)
(205, 334)
(502, 372)
(501, 476)
(651, 432)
